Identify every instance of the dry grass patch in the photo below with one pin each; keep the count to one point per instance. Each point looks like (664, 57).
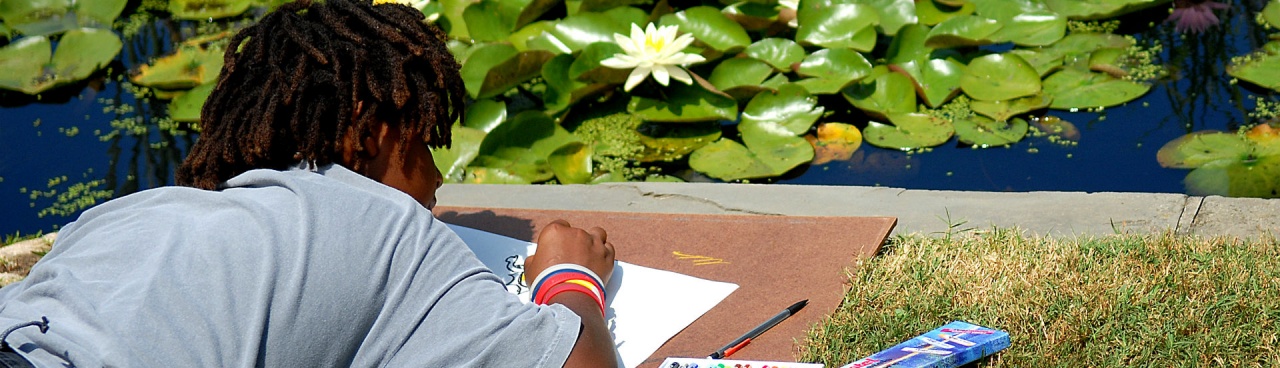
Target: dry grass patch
(1116, 301)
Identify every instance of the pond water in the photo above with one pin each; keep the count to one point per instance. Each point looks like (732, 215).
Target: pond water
(93, 140)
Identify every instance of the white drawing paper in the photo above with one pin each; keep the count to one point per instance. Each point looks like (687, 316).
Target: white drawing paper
(646, 306)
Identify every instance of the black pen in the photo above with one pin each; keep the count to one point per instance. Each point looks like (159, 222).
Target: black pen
(755, 332)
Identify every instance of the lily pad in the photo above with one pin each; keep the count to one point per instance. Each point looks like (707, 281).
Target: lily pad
(1078, 89)
(484, 115)
(1271, 14)
(28, 66)
(572, 163)
(1262, 69)
(909, 45)
(1099, 9)
(740, 77)
(834, 68)
(48, 17)
(909, 131)
(834, 142)
(982, 132)
(578, 31)
(1044, 62)
(186, 68)
(778, 52)
(729, 160)
(488, 175)
(894, 14)
(710, 27)
(1000, 77)
(791, 109)
(99, 13)
(684, 103)
(930, 12)
(186, 107)
(453, 161)
(521, 146)
(1032, 28)
(885, 94)
(969, 30)
(834, 25)
(668, 142)
(492, 69)
(1055, 126)
(587, 66)
(207, 9)
(1005, 109)
(936, 81)
(1238, 165)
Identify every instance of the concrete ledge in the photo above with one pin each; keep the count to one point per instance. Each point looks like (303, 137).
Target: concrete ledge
(918, 211)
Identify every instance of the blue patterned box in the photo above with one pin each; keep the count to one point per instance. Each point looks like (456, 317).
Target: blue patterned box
(952, 345)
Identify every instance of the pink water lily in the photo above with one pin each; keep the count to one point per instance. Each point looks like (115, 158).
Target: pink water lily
(1194, 15)
(654, 51)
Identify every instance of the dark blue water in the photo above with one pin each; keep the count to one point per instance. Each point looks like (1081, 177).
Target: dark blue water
(1116, 150)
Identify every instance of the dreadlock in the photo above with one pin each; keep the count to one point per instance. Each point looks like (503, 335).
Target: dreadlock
(290, 87)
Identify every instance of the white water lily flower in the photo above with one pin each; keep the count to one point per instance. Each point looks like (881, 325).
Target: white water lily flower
(416, 4)
(654, 51)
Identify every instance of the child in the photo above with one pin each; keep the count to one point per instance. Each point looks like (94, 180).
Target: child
(302, 235)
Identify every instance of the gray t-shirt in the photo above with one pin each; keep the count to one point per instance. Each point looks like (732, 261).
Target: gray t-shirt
(297, 268)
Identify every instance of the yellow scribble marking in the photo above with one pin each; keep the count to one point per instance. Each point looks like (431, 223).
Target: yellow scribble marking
(699, 260)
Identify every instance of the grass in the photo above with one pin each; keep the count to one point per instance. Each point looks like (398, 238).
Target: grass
(1114, 301)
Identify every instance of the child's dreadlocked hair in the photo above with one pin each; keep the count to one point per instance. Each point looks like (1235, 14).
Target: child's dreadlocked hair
(291, 83)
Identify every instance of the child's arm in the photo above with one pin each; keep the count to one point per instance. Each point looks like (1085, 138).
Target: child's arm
(560, 243)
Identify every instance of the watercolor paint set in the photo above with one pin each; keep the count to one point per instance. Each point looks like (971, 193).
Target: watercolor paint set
(952, 345)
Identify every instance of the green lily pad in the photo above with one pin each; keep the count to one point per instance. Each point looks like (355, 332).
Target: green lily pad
(186, 107)
(1000, 77)
(834, 142)
(572, 163)
(1271, 14)
(454, 160)
(1085, 43)
(522, 145)
(729, 160)
(668, 142)
(894, 14)
(1238, 165)
(778, 52)
(1257, 179)
(931, 13)
(578, 31)
(909, 131)
(452, 20)
(791, 109)
(710, 27)
(1099, 9)
(982, 132)
(1262, 69)
(936, 81)
(488, 175)
(885, 93)
(534, 32)
(909, 45)
(1078, 89)
(684, 103)
(563, 91)
(484, 115)
(834, 25)
(1005, 109)
(1032, 28)
(740, 77)
(186, 68)
(837, 67)
(1203, 148)
(495, 68)
(1044, 62)
(28, 66)
(207, 9)
(99, 13)
(603, 5)
(969, 30)
(587, 66)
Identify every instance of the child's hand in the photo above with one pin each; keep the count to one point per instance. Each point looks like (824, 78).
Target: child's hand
(558, 242)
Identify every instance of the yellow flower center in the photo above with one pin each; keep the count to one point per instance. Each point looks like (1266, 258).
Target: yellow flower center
(654, 42)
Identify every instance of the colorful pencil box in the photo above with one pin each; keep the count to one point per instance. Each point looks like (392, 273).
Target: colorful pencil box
(952, 345)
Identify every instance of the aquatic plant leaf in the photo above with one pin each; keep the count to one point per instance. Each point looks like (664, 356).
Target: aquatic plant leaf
(1078, 89)
(1203, 148)
(98, 13)
(533, 37)
(841, 66)
(684, 103)
(489, 20)
(578, 31)
(484, 115)
(740, 77)
(1262, 69)
(1044, 62)
(1085, 43)
(489, 175)
(662, 179)
(572, 163)
(603, 5)
(186, 107)
(5, 32)
(186, 68)
(929, 12)
(1258, 179)
(1000, 77)
(909, 131)
(1032, 28)
(667, 142)
(778, 52)
(207, 9)
(980, 131)
(936, 81)
(834, 25)
(969, 30)
(883, 94)
(453, 161)
(908, 45)
(38, 17)
(452, 19)
(1007, 9)
(563, 91)
(834, 142)
(728, 160)
(522, 144)
(753, 16)
(83, 51)
(791, 109)
(587, 68)
(776, 148)
(894, 14)
(22, 64)
(1055, 126)
(1004, 109)
(1099, 9)
(1271, 13)
(710, 27)
(482, 59)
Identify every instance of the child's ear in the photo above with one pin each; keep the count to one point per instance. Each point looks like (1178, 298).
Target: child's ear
(382, 140)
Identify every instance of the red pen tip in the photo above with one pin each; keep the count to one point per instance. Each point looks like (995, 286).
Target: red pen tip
(735, 348)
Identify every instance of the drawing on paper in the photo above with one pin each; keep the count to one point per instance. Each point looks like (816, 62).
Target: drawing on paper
(515, 274)
(699, 260)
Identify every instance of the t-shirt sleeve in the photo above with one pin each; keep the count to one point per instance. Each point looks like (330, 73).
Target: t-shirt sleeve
(475, 322)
